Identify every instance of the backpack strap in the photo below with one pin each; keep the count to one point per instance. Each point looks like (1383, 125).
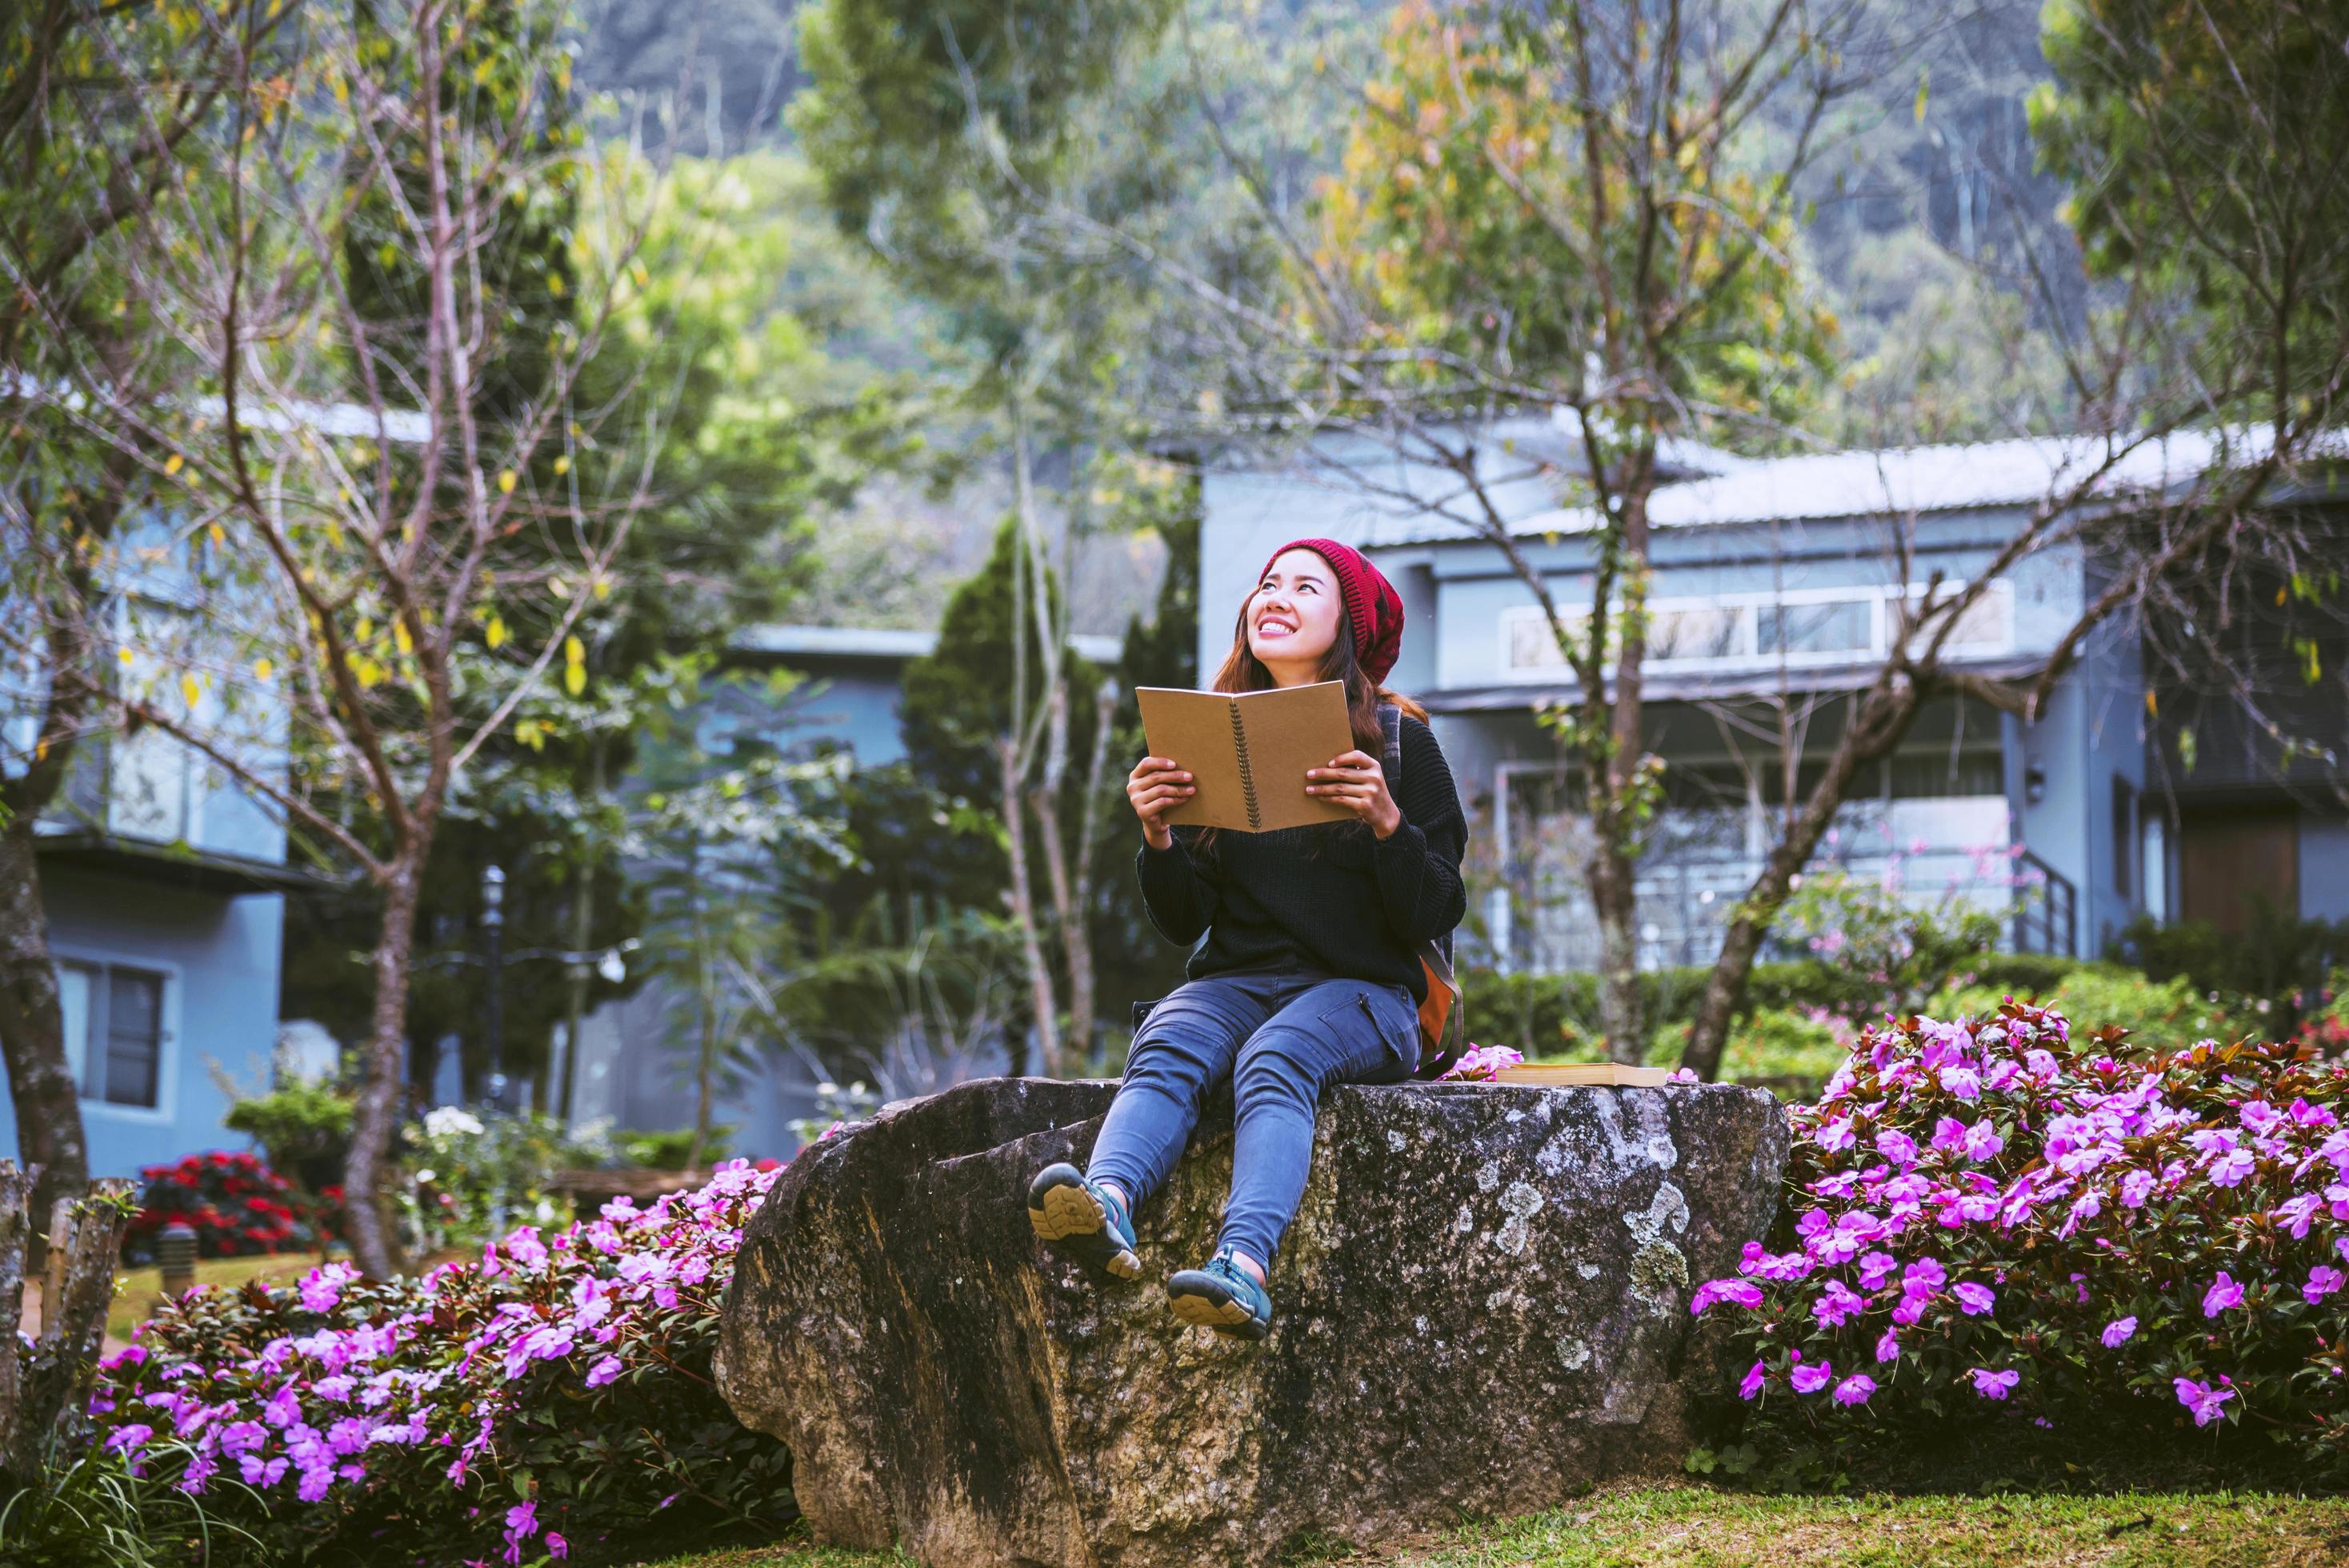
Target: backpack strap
(1439, 1046)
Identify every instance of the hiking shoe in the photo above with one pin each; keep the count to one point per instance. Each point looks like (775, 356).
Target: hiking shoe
(1082, 1220)
(1223, 1296)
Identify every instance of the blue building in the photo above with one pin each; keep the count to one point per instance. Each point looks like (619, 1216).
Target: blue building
(164, 887)
(1775, 582)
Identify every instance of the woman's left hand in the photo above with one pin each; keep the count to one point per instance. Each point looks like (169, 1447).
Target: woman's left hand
(1356, 781)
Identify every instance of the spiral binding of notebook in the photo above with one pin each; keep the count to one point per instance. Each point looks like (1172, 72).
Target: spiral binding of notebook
(1247, 778)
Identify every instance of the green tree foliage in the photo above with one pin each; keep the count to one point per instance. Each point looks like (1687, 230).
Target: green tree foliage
(2210, 149)
(958, 701)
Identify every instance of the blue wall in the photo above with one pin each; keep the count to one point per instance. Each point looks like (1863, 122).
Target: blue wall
(221, 958)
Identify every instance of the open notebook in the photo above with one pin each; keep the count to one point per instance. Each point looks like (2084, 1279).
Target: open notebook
(1582, 1073)
(1248, 752)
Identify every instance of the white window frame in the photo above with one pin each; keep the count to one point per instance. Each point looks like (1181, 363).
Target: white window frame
(166, 1056)
(1748, 605)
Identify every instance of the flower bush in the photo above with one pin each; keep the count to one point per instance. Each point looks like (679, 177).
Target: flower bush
(556, 1396)
(237, 1206)
(469, 1176)
(1997, 1217)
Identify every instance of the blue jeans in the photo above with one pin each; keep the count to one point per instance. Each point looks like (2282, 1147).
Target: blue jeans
(1281, 1036)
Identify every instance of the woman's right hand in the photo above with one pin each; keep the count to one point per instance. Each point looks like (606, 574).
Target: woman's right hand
(1156, 787)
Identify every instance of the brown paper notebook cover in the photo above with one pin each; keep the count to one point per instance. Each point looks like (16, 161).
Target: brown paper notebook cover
(1248, 752)
(1582, 1073)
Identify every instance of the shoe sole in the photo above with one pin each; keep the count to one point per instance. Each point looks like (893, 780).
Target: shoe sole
(1203, 1301)
(1066, 1216)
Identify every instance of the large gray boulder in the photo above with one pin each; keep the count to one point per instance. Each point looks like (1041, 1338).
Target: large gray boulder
(1479, 1311)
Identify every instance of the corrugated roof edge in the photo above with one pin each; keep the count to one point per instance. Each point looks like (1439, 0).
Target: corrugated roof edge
(1898, 482)
(349, 419)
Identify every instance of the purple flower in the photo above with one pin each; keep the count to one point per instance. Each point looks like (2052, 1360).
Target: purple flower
(1755, 1376)
(1982, 1142)
(556, 1547)
(2135, 1187)
(1875, 1268)
(258, 1474)
(130, 1438)
(1992, 1385)
(2223, 1294)
(2232, 1167)
(322, 1287)
(607, 1369)
(2201, 1398)
(1836, 1136)
(1810, 1377)
(1923, 1277)
(2117, 1331)
(1975, 1299)
(1836, 1304)
(1897, 1147)
(2322, 1281)
(1887, 1348)
(1855, 1389)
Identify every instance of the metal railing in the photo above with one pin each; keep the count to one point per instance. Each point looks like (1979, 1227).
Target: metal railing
(2046, 909)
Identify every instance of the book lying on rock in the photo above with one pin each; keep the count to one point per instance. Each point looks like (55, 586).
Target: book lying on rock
(1246, 752)
(1582, 1073)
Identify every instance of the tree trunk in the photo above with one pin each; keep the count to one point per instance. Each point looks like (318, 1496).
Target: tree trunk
(1883, 717)
(1614, 871)
(1619, 1009)
(375, 1119)
(41, 1086)
(1041, 999)
(1082, 979)
(583, 930)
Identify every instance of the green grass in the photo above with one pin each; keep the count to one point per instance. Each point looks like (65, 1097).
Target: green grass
(1698, 1527)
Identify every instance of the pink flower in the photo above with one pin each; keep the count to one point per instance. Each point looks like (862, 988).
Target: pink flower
(2201, 1398)
(1975, 1299)
(2223, 1294)
(1810, 1377)
(2232, 1167)
(556, 1547)
(1755, 1376)
(322, 1287)
(1836, 1304)
(1924, 1276)
(608, 1369)
(1897, 1147)
(1836, 1136)
(2117, 1331)
(1736, 1292)
(1982, 1142)
(257, 1474)
(2322, 1281)
(1875, 1268)
(1992, 1385)
(1855, 1389)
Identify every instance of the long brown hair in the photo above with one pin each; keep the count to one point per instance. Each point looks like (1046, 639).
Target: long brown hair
(1243, 671)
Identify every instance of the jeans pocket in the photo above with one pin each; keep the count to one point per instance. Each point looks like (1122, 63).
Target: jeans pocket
(1393, 1021)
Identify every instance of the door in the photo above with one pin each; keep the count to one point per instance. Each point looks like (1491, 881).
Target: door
(2227, 857)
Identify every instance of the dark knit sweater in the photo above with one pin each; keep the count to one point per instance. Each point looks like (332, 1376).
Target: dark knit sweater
(1332, 897)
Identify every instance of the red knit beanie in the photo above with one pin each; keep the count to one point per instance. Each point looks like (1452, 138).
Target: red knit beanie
(1373, 609)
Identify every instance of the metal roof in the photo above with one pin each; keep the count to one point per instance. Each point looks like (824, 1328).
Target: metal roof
(1897, 481)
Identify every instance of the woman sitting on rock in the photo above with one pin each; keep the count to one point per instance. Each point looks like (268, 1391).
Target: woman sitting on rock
(1309, 974)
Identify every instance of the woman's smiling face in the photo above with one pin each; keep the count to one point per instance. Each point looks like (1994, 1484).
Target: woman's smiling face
(1292, 617)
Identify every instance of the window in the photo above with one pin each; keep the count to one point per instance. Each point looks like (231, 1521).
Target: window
(114, 1031)
(1830, 626)
(2123, 833)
